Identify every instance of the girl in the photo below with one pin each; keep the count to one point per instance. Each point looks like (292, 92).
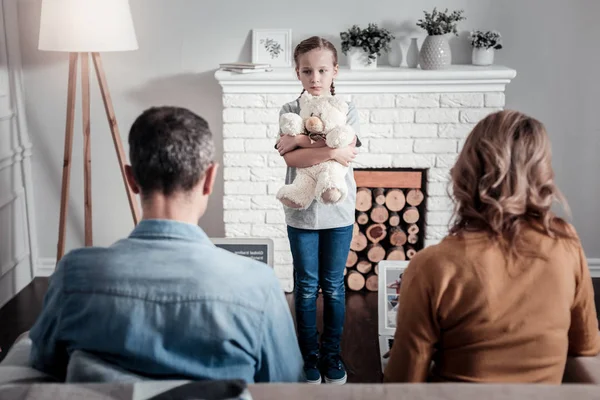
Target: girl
(507, 295)
(319, 235)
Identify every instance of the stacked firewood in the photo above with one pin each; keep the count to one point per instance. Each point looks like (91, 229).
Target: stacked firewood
(386, 228)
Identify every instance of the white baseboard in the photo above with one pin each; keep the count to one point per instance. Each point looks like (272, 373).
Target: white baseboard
(45, 267)
(594, 266)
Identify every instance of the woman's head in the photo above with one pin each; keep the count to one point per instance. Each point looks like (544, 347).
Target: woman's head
(316, 65)
(503, 179)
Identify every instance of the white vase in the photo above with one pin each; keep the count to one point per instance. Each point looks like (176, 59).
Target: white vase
(412, 55)
(435, 52)
(482, 56)
(359, 59)
(395, 54)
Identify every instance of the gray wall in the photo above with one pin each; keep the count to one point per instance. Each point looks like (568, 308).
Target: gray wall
(551, 43)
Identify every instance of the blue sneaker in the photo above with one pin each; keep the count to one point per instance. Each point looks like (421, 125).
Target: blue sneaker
(311, 369)
(333, 369)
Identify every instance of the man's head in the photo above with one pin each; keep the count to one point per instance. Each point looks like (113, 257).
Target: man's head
(171, 152)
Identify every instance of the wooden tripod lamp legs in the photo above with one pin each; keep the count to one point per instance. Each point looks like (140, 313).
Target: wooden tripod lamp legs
(68, 149)
(114, 129)
(66, 173)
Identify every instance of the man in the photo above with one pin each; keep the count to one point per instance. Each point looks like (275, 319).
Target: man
(165, 302)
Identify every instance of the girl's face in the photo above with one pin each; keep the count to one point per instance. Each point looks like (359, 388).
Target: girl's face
(316, 71)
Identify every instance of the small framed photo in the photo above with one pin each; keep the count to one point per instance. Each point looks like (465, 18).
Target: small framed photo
(390, 281)
(272, 46)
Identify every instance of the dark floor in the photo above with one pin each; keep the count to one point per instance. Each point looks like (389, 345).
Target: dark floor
(360, 347)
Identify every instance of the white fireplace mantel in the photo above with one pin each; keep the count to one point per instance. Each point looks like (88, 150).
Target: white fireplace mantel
(457, 78)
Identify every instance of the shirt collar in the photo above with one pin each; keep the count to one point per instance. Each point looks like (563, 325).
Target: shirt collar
(157, 228)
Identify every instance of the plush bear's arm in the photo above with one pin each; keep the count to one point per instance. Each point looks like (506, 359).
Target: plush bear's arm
(341, 136)
(291, 124)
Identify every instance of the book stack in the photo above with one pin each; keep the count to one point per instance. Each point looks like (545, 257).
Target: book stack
(245, 68)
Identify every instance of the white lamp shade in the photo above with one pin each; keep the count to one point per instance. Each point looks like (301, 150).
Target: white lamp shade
(86, 26)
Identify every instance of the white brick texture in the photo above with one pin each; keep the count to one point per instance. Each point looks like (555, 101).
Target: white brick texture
(415, 130)
(391, 146)
(261, 115)
(392, 115)
(436, 115)
(375, 101)
(418, 100)
(474, 115)
(458, 131)
(233, 115)
(244, 131)
(435, 146)
(398, 130)
(462, 100)
(244, 100)
(494, 99)
(244, 160)
(259, 146)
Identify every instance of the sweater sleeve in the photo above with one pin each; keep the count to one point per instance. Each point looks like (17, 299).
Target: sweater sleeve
(584, 339)
(417, 331)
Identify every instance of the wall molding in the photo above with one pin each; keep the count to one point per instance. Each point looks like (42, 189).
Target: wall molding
(594, 267)
(45, 267)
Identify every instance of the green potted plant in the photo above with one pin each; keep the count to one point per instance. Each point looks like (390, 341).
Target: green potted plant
(363, 46)
(435, 52)
(484, 45)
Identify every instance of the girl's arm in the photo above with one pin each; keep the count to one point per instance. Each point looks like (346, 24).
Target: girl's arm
(302, 158)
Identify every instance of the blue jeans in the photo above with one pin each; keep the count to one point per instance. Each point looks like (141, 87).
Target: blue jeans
(319, 261)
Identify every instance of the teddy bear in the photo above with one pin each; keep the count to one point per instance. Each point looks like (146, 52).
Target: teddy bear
(323, 116)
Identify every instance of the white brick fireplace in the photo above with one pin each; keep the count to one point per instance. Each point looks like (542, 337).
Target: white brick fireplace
(410, 118)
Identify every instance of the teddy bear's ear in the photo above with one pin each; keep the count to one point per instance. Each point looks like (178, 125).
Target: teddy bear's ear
(339, 104)
(305, 99)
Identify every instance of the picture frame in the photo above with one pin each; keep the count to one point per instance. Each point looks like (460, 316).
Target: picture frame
(257, 249)
(272, 46)
(390, 278)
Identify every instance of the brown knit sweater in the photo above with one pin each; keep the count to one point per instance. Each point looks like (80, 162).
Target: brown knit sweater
(471, 315)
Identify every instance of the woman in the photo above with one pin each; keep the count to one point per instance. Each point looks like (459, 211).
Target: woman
(507, 295)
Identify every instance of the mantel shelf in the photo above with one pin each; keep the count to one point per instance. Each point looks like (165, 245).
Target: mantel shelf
(456, 78)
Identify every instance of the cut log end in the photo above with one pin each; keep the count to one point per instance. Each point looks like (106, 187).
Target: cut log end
(397, 237)
(352, 259)
(411, 215)
(379, 214)
(375, 253)
(395, 200)
(355, 281)
(412, 229)
(363, 199)
(362, 218)
(415, 197)
(394, 219)
(376, 233)
(359, 242)
(379, 196)
(372, 283)
(395, 253)
(364, 266)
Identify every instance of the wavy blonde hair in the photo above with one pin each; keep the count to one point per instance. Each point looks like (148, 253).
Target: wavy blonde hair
(503, 182)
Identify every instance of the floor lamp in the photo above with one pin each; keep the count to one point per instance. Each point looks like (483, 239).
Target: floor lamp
(84, 28)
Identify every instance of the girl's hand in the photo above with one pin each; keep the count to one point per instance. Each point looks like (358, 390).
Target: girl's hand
(345, 155)
(286, 144)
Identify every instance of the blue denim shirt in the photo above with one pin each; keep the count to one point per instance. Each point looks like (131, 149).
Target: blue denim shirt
(166, 303)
